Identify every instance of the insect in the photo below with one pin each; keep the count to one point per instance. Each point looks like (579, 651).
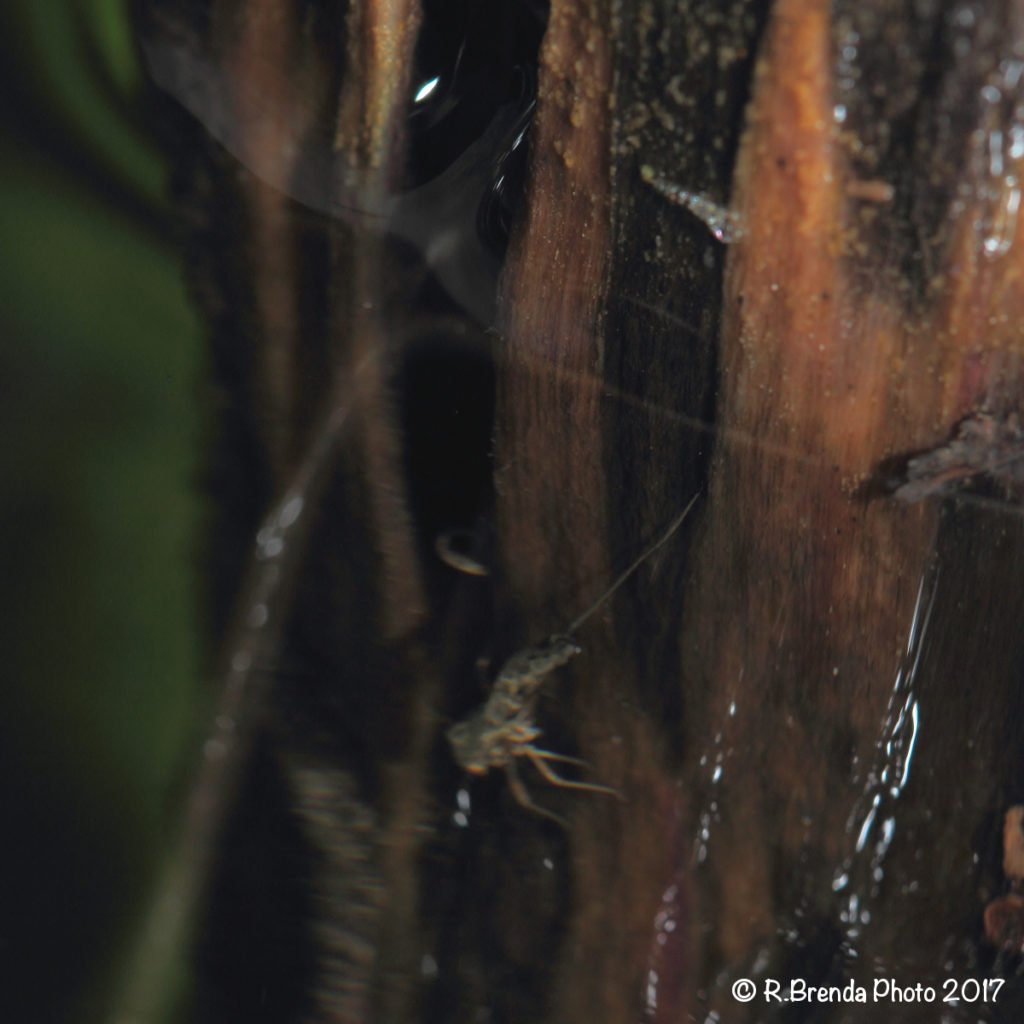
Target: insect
(503, 729)
(723, 223)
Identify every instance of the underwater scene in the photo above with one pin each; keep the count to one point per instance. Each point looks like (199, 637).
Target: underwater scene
(513, 512)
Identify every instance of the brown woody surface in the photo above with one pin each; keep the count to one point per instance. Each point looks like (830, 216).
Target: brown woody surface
(812, 694)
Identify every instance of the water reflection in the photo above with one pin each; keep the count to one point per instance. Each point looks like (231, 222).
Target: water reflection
(862, 873)
(280, 139)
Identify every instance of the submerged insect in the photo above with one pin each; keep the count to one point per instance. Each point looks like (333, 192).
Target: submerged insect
(722, 222)
(503, 728)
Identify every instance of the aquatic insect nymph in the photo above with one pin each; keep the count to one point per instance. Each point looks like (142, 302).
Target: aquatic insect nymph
(503, 728)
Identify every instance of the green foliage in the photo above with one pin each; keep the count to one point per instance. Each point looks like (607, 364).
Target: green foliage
(99, 376)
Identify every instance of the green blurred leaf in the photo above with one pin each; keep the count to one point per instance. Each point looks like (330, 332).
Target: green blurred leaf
(99, 372)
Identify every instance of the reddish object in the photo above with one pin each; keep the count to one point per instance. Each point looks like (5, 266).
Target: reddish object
(1004, 922)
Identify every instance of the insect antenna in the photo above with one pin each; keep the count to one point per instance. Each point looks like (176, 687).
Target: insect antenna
(540, 758)
(663, 539)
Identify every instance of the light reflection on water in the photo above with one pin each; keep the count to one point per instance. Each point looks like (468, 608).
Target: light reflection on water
(862, 875)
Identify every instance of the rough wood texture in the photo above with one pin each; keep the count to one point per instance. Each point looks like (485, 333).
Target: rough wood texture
(834, 357)
(810, 700)
(609, 310)
(548, 443)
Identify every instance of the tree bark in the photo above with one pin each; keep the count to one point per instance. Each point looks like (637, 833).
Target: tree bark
(808, 700)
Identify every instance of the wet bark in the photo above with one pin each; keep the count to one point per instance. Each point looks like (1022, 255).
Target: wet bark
(809, 700)
(850, 334)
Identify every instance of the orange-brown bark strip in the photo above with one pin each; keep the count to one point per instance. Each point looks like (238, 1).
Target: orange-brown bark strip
(548, 444)
(794, 579)
(552, 515)
(627, 954)
(551, 491)
(652, 388)
(803, 593)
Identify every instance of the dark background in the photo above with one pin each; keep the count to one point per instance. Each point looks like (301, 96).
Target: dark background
(100, 424)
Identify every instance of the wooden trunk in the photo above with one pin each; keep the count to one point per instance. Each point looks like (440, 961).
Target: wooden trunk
(509, 311)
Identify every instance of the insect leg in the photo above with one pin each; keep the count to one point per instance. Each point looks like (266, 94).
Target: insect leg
(549, 755)
(539, 759)
(519, 791)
